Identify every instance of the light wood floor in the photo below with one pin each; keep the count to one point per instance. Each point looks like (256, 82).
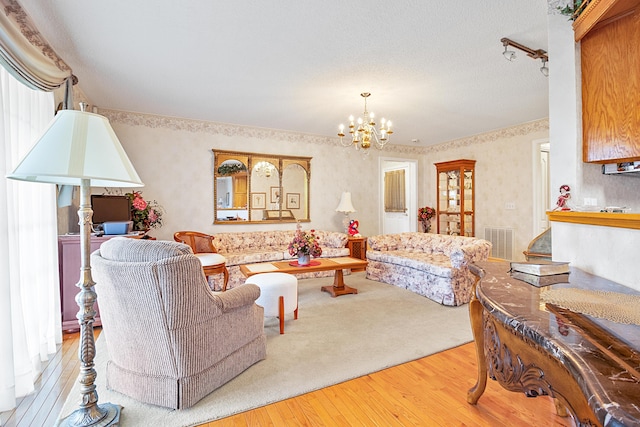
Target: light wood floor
(427, 392)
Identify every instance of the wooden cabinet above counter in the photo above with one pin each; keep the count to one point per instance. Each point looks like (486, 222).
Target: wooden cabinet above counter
(609, 32)
(600, 12)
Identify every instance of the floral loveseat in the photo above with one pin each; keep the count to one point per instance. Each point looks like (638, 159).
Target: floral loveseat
(251, 247)
(432, 265)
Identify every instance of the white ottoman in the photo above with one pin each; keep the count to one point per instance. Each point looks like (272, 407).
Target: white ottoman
(278, 294)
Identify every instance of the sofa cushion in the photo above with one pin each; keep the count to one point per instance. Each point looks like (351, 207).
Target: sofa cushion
(436, 264)
(251, 256)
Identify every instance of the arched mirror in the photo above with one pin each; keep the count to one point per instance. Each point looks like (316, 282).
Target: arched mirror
(294, 188)
(252, 187)
(231, 189)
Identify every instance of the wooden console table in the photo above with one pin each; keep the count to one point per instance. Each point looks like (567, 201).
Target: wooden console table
(527, 348)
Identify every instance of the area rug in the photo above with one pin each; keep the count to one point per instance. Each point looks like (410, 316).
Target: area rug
(333, 340)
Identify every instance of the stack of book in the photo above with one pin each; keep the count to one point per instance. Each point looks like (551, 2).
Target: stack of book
(541, 273)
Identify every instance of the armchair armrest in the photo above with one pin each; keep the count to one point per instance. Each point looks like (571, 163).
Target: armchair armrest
(238, 297)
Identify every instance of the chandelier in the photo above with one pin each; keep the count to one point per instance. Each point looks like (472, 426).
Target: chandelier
(264, 169)
(365, 132)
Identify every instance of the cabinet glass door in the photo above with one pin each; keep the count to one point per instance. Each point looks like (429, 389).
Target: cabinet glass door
(455, 189)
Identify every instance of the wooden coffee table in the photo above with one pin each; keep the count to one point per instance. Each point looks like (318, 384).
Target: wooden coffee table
(320, 264)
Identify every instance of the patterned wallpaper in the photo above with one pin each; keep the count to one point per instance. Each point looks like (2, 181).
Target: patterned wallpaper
(161, 145)
(173, 158)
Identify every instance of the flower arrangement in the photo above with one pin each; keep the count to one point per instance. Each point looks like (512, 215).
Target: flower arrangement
(305, 243)
(424, 216)
(145, 215)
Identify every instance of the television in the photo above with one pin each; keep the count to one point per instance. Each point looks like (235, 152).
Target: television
(110, 208)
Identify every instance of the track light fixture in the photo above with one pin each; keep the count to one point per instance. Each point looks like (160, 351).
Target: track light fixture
(544, 69)
(534, 54)
(509, 54)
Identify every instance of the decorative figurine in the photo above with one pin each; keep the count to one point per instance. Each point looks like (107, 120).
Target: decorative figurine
(563, 199)
(353, 228)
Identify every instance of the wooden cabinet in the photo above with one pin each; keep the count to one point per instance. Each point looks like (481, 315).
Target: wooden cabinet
(69, 262)
(609, 33)
(455, 186)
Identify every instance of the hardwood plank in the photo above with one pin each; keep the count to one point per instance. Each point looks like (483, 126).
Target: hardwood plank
(428, 391)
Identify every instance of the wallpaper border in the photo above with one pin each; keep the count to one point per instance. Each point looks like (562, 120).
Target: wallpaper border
(226, 129)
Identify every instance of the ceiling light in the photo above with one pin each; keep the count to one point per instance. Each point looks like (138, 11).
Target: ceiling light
(534, 54)
(509, 54)
(365, 132)
(544, 69)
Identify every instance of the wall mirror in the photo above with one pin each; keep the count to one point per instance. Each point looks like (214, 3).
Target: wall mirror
(254, 188)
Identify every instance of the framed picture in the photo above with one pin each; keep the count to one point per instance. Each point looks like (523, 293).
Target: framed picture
(275, 195)
(258, 200)
(293, 200)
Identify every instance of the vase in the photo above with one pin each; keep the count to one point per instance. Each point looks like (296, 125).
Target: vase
(426, 226)
(304, 259)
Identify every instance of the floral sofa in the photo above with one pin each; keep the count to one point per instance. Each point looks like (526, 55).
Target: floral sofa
(251, 247)
(432, 265)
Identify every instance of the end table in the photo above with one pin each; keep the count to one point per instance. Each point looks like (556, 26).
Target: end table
(357, 249)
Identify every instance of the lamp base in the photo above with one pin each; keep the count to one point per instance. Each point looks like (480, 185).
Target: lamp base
(105, 414)
(345, 222)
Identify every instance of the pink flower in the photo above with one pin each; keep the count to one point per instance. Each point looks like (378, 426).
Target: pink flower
(139, 203)
(145, 215)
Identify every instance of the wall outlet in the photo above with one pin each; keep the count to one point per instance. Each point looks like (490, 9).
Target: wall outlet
(510, 205)
(590, 201)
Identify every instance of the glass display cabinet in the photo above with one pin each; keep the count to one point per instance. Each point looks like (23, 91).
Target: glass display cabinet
(455, 190)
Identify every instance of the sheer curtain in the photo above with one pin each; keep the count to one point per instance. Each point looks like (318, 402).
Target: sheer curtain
(30, 325)
(394, 197)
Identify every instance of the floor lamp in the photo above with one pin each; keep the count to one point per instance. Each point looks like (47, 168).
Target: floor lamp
(81, 148)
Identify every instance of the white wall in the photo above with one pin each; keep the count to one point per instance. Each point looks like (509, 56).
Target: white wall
(174, 159)
(504, 170)
(606, 251)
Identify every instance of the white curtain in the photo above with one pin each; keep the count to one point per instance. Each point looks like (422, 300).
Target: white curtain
(25, 53)
(30, 324)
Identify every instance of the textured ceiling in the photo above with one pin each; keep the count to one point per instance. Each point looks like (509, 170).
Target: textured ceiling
(435, 68)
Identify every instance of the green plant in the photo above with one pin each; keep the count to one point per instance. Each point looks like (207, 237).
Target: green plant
(231, 168)
(571, 9)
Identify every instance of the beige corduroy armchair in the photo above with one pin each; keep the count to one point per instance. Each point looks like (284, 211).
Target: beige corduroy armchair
(171, 340)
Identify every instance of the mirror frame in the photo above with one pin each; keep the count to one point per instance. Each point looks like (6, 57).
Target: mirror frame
(250, 160)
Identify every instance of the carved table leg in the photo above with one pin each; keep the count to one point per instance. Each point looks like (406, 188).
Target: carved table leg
(475, 313)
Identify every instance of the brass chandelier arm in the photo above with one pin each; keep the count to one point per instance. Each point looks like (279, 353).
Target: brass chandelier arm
(535, 54)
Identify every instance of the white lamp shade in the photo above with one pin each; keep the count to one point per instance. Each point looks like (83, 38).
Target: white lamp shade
(78, 145)
(345, 205)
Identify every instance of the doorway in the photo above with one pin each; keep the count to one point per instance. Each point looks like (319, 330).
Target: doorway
(541, 182)
(399, 222)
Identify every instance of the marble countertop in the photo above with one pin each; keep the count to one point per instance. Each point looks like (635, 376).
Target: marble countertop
(614, 392)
